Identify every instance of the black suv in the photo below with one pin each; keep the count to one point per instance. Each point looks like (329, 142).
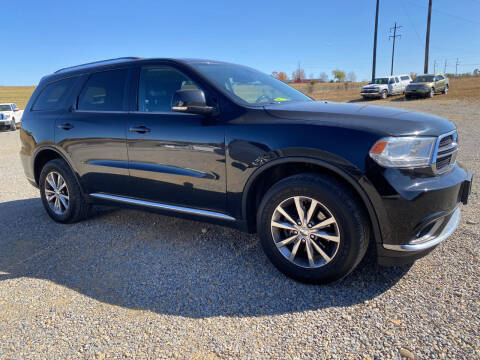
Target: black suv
(227, 144)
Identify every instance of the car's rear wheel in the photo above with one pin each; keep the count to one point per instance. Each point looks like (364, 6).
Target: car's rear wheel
(13, 126)
(61, 194)
(312, 228)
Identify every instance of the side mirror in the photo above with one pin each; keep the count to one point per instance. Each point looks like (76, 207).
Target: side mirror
(191, 101)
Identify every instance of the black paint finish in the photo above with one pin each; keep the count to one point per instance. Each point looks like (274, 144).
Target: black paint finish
(213, 162)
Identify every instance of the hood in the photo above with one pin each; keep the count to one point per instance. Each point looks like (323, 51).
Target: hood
(374, 86)
(384, 121)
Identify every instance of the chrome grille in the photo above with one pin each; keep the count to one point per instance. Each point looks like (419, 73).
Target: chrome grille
(445, 152)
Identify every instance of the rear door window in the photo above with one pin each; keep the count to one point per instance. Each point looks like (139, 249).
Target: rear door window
(104, 91)
(53, 95)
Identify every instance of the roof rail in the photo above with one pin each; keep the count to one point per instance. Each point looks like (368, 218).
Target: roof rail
(108, 61)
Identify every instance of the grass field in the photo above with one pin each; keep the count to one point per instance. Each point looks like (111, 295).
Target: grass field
(460, 89)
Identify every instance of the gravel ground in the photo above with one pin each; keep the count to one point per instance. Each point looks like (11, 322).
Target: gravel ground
(131, 284)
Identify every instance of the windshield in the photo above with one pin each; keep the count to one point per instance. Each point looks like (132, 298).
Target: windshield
(248, 85)
(5, 108)
(381, 81)
(424, 78)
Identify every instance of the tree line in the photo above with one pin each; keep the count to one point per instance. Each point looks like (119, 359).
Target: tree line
(299, 75)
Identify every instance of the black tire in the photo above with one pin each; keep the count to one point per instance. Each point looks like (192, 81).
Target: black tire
(78, 207)
(384, 94)
(431, 93)
(352, 222)
(13, 126)
(445, 91)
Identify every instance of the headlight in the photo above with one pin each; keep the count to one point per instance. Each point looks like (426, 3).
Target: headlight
(403, 152)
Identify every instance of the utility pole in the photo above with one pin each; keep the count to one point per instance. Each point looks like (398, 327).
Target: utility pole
(456, 67)
(375, 43)
(427, 41)
(445, 67)
(394, 36)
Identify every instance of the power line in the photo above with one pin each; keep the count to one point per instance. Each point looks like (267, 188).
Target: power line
(446, 13)
(394, 36)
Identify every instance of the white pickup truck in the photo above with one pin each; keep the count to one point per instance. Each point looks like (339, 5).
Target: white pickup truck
(386, 86)
(12, 115)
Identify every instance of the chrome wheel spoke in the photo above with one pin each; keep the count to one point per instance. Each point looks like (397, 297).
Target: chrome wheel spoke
(283, 225)
(310, 253)
(300, 210)
(51, 197)
(61, 184)
(324, 235)
(286, 241)
(57, 204)
(51, 181)
(324, 223)
(320, 251)
(311, 210)
(295, 249)
(64, 202)
(285, 214)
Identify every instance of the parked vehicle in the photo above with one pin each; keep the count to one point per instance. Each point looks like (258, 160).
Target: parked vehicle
(11, 113)
(7, 123)
(427, 85)
(386, 86)
(224, 143)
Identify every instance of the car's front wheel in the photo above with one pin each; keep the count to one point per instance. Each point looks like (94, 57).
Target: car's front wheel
(445, 91)
(61, 194)
(384, 94)
(312, 228)
(13, 126)
(431, 93)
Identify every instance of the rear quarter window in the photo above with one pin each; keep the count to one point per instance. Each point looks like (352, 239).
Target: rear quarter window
(53, 95)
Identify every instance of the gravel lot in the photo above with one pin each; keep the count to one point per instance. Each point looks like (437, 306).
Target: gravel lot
(131, 284)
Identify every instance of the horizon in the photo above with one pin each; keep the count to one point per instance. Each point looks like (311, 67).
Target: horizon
(44, 38)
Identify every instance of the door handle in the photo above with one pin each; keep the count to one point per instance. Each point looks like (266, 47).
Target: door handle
(140, 129)
(66, 126)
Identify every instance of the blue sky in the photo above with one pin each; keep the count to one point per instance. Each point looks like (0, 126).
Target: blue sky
(42, 36)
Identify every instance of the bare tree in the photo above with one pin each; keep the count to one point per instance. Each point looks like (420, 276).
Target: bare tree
(351, 76)
(323, 77)
(298, 74)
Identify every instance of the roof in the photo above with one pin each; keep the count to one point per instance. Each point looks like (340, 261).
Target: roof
(108, 63)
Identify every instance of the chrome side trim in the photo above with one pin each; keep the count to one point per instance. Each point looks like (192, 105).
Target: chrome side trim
(161, 206)
(446, 232)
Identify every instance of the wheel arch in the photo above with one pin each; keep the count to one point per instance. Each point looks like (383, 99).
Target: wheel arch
(46, 154)
(284, 167)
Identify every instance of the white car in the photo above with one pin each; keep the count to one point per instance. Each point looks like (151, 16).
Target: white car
(386, 86)
(12, 115)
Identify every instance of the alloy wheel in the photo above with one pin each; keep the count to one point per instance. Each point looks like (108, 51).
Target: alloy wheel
(56, 193)
(305, 232)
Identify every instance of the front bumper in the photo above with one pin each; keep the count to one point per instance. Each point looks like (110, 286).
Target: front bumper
(418, 213)
(417, 92)
(6, 122)
(370, 94)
